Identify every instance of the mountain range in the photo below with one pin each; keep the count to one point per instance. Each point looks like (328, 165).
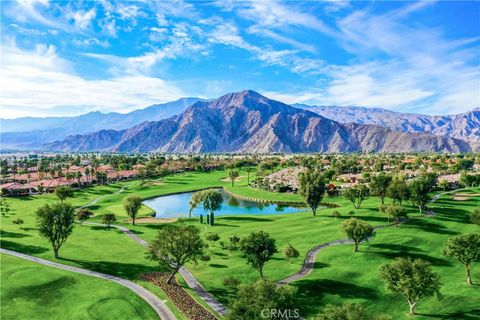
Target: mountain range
(30, 132)
(464, 126)
(249, 122)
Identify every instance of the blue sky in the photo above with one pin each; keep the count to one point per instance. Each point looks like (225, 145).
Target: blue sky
(68, 58)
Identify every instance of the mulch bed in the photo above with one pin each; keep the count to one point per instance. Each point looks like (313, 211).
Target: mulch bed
(180, 298)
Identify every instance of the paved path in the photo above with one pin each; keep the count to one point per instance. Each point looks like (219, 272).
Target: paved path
(155, 302)
(307, 267)
(190, 279)
(311, 255)
(94, 201)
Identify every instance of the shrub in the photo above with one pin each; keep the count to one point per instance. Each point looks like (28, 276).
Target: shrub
(18, 221)
(290, 252)
(336, 214)
(108, 219)
(234, 241)
(231, 282)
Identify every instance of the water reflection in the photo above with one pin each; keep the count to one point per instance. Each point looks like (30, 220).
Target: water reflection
(177, 206)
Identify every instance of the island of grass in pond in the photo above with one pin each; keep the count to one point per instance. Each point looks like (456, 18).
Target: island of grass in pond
(177, 205)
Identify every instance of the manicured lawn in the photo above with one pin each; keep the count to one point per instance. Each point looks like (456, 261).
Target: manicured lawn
(33, 291)
(339, 276)
(89, 247)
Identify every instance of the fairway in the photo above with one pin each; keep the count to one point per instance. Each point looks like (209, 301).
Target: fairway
(338, 276)
(33, 291)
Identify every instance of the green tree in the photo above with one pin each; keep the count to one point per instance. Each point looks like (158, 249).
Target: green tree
(357, 230)
(348, 311)
(395, 212)
(258, 248)
(55, 222)
(443, 184)
(175, 246)
(248, 169)
(195, 200)
(108, 219)
(466, 249)
(379, 185)
(234, 241)
(63, 192)
(212, 201)
(414, 279)
(233, 174)
(419, 189)
(311, 187)
(83, 214)
(132, 205)
(212, 237)
(356, 194)
(254, 301)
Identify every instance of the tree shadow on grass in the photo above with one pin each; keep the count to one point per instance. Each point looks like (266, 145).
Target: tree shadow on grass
(430, 226)
(311, 291)
(25, 198)
(226, 225)
(395, 247)
(245, 218)
(399, 253)
(129, 271)
(44, 293)
(217, 265)
(319, 265)
(8, 234)
(23, 248)
(468, 315)
(155, 226)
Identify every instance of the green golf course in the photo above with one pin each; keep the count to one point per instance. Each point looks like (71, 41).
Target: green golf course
(339, 275)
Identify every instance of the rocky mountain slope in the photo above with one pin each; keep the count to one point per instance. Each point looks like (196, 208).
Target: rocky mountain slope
(464, 126)
(249, 122)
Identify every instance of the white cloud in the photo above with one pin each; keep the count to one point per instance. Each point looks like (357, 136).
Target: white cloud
(50, 82)
(273, 14)
(82, 18)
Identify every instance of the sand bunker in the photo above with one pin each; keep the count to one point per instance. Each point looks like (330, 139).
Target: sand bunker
(460, 198)
(151, 220)
(230, 180)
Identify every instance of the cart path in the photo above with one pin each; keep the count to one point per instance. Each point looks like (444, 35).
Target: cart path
(95, 200)
(309, 263)
(189, 278)
(155, 302)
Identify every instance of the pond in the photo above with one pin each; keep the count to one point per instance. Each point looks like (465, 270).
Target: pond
(175, 206)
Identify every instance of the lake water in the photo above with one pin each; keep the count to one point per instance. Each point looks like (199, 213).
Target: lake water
(175, 206)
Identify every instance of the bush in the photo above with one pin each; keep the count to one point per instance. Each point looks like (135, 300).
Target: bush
(290, 252)
(222, 245)
(108, 219)
(18, 221)
(205, 258)
(475, 217)
(231, 282)
(336, 214)
(234, 241)
(351, 212)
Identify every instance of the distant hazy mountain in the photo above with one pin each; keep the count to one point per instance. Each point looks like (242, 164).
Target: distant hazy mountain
(465, 126)
(32, 132)
(249, 122)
